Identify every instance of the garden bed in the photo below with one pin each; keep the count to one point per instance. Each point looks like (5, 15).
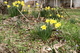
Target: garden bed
(51, 31)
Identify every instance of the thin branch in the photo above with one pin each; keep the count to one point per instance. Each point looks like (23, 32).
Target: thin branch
(21, 13)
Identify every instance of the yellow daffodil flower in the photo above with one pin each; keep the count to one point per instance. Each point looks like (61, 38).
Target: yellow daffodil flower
(47, 21)
(17, 5)
(14, 4)
(53, 21)
(8, 6)
(22, 3)
(43, 27)
(57, 25)
(5, 2)
(37, 3)
(47, 8)
(24, 10)
(18, 2)
(29, 6)
(58, 15)
(62, 16)
(50, 15)
(53, 8)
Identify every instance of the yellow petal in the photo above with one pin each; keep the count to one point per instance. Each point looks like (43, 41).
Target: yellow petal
(47, 21)
(43, 27)
(8, 6)
(53, 21)
(5, 2)
(29, 6)
(37, 3)
(58, 15)
(57, 25)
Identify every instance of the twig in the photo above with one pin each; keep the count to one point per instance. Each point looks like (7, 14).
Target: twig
(21, 13)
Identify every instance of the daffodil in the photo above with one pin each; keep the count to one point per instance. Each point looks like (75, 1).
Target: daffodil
(58, 15)
(18, 2)
(5, 2)
(57, 25)
(53, 21)
(50, 15)
(62, 16)
(47, 8)
(22, 3)
(14, 4)
(17, 5)
(24, 10)
(43, 27)
(47, 21)
(53, 8)
(29, 6)
(8, 6)
(37, 3)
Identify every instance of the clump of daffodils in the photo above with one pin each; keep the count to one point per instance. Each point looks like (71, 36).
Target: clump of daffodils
(51, 22)
(47, 8)
(17, 3)
(15, 8)
(45, 30)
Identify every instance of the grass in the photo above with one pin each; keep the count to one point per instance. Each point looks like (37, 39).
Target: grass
(17, 36)
(73, 11)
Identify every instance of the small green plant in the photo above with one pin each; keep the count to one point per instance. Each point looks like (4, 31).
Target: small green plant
(44, 30)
